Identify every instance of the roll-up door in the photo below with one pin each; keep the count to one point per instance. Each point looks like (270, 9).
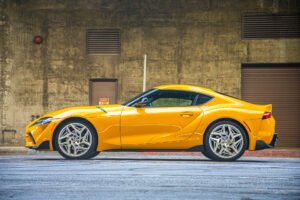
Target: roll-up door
(277, 84)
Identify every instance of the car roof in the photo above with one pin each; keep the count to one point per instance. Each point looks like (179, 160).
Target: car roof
(200, 90)
(186, 87)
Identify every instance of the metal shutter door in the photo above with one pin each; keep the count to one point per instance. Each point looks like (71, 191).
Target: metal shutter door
(280, 86)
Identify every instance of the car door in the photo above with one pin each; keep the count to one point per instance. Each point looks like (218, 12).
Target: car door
(168, 118)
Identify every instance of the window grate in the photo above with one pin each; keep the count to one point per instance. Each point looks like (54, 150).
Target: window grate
(270, 26)
(103, 41)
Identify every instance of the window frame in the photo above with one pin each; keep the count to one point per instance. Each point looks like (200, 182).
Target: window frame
(133, 102)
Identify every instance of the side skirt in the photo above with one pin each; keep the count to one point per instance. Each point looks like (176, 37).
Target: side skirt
(198, 148)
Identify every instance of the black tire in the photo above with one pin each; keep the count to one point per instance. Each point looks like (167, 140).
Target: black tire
(90, 152)
(95, 154)
(205, 154)
(209, 152)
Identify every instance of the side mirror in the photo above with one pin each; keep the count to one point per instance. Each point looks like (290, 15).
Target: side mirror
(143, 102)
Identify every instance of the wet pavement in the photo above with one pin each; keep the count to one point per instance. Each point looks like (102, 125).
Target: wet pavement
(126, 176)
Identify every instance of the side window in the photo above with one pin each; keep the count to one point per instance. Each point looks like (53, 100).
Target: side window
(171, 98)
(202, 99)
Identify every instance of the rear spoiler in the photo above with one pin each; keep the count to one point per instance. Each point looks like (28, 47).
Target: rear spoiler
(268, 108)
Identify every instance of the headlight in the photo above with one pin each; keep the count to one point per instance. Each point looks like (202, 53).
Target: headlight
(45, 120)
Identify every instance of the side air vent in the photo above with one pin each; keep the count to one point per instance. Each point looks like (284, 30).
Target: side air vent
(103, 41)
(270, 26)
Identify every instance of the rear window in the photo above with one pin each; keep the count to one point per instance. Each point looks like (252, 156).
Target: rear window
(202, 99)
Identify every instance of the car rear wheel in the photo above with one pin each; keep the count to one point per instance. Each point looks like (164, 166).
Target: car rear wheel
(76, 139)
(225, 141)
(205, 154)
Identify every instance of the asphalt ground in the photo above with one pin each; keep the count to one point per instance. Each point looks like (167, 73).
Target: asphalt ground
(138, 176)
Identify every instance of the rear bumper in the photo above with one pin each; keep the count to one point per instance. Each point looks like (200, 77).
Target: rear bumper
(262, 145)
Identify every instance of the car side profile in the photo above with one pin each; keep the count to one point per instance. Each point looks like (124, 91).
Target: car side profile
(164, 118)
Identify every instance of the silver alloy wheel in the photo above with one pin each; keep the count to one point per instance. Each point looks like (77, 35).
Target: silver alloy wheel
(75, 139)
(226, 141)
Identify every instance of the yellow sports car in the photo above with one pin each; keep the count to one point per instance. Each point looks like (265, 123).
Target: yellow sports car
(165, 118)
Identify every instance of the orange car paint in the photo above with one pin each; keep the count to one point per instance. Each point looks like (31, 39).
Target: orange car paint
(123, 127)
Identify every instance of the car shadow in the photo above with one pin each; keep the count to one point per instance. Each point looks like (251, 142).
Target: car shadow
(152, 160)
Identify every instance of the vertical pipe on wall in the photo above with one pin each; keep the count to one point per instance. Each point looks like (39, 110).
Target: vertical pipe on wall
(144, 81)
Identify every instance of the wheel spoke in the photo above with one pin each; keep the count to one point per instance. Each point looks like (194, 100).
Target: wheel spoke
(86, 143)
(216, 143)
(64, 143)
(237, 142)
(81, 147)
(231, 134)
(65, 136)
(221, 151)
(69, 148)
(224, 129)
(68, 129)
(75, 149)
(85, 137)
(227, 151)
(216, 133)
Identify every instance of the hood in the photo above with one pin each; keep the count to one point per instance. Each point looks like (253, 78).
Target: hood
(85, 111)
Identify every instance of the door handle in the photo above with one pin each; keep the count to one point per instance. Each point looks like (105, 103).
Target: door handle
(186, 114)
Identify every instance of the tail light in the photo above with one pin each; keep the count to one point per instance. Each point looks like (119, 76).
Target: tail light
(267, 115)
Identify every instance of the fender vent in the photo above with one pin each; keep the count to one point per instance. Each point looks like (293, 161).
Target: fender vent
(270, 26)
(103, 41)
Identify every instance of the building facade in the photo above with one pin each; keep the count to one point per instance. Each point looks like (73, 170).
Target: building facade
(99, 45)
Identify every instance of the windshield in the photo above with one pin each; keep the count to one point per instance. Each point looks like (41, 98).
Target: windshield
(137, 97)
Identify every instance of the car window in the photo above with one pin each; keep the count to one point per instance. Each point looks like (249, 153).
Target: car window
(171, 98)
(202, 99)
(171, 102)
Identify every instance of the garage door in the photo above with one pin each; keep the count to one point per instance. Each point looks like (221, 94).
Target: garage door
(279, 85)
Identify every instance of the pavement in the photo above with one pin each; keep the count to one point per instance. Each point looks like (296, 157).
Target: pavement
(273, 152)
(112, 176)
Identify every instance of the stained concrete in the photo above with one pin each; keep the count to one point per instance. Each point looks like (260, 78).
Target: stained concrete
(148, 177)
(187, 42)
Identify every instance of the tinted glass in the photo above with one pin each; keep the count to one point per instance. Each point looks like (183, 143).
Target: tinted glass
(171, 98)
(202, 99)
(135, 99)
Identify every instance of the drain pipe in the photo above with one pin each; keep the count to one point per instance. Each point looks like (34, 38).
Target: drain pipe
(145, 67)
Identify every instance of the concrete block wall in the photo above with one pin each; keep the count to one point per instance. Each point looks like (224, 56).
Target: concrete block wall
(187, 42)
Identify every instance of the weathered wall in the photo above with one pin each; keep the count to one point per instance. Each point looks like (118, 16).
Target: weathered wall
(188, 42)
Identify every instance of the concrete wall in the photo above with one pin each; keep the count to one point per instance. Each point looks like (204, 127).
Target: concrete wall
(187, 42)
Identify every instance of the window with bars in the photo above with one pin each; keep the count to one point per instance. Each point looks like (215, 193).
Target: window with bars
(103, 41)
(270, 26)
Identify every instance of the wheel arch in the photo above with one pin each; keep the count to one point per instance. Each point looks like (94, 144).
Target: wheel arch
(227, 119)
(66, 121)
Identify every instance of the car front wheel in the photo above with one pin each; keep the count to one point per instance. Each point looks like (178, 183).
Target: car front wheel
(76, 139)
(225, 141)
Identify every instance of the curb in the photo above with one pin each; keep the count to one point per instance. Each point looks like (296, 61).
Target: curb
(261, 153)
(290, 153)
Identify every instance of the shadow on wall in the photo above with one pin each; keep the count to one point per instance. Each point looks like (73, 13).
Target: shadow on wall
(11, 131)
(8, 135)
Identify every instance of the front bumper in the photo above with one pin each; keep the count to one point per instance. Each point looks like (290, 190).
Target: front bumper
(40, 137)
(44, 146)
(262, 145)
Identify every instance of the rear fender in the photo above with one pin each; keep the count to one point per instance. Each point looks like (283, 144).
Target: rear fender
(238, 115)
